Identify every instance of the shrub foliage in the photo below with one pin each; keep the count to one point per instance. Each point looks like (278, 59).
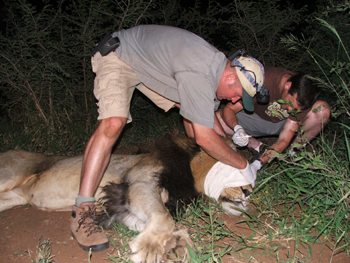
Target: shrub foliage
(45, 74)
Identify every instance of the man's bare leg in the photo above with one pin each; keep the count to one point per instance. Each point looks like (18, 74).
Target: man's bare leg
(97, 154)
(84, 226)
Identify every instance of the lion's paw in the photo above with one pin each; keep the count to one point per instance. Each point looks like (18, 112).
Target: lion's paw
(148, 250)
(156, 250)
(176, 247)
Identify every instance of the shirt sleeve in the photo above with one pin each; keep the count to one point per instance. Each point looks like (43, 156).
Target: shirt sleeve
(197, 98)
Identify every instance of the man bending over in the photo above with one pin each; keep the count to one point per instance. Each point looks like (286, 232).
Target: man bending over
(172, 67)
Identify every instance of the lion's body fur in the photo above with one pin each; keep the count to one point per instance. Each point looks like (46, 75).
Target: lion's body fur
(136, 189)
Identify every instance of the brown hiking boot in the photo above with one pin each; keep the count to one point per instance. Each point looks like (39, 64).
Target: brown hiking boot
(84, 228)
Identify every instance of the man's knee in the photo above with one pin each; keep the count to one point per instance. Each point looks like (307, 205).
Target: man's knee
(112, 127)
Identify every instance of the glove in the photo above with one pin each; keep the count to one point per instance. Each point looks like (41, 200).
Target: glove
(241, 138)
(251, 171)
(255, 166)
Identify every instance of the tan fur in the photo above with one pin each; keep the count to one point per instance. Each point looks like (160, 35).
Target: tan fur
(52, 183)
(200, 166)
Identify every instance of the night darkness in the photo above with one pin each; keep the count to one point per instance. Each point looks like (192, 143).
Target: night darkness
(311, 6)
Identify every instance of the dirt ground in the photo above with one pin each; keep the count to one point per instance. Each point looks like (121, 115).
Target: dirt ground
(22, 227)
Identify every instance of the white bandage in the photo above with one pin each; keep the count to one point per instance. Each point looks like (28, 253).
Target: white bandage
(222, 176)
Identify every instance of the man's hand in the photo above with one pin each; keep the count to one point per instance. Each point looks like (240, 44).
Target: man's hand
(241, 138)
(256, 166)
(251, 171)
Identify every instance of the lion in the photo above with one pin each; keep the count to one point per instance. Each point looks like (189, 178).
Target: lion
(140, 190)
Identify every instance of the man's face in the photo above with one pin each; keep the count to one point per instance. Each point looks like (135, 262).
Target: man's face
(231, 94)
(229, 88)
(293, 99)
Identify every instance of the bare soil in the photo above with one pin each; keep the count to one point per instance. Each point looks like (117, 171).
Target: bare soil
(22, 227)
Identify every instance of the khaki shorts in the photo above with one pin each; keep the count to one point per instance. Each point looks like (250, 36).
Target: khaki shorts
(114, 86)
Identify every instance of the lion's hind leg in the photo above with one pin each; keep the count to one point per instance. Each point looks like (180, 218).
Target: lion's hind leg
(12, 198)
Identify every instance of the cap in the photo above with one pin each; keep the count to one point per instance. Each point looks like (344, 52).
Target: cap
(251, 74)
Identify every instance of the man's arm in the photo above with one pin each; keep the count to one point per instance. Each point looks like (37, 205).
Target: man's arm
(214, 145)
(283, 141)
(229, 114)
(218, 128)
(226, 117)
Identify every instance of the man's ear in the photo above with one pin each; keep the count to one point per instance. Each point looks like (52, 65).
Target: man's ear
(231, 78)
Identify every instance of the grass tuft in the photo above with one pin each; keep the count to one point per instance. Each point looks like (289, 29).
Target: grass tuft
(43, 252)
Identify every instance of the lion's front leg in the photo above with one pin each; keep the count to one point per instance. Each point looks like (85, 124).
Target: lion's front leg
(146, 203)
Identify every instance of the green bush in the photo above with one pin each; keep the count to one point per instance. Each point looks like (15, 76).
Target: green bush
(45, 74)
